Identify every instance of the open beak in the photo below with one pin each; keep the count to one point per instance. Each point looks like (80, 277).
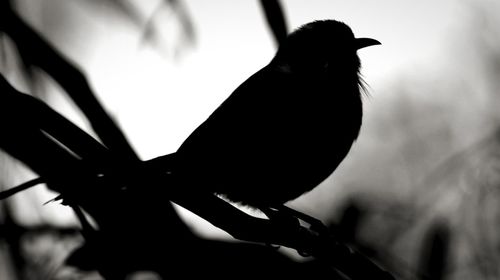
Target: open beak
(365, 42)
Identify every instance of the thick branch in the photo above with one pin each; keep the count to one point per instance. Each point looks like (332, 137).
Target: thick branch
(245, 227)
(65, 156)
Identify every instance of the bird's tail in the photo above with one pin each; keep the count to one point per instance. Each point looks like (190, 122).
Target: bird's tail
(164, 164)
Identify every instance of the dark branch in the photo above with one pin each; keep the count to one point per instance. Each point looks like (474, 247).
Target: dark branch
(248, 228)
(39, 52)
(65, 157)
(28, 112)
(26, 185)
(275, 19)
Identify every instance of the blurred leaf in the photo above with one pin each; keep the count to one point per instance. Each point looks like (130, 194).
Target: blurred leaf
(434, 256)
(170, 19)
(26, 61)
(168, 28)
(275, 19)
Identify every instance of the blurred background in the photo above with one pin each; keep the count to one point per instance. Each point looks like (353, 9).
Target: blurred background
(419, 189)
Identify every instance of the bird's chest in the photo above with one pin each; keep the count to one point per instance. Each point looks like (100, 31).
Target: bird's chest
(313, 116)
(307, 132)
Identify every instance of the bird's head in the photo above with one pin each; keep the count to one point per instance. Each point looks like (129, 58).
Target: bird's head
(321, 46)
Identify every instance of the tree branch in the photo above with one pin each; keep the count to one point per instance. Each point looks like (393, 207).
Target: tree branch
(248, 228)
(42, 54)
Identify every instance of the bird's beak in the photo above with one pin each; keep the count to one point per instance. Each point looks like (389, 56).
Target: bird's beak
(365, 42)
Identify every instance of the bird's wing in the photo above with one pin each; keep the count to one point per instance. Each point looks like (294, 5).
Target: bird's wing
(268, 141)
(250, 113)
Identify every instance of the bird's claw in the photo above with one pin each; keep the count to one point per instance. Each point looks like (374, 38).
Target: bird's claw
(314, 225)
(281, 218)
(290, 220)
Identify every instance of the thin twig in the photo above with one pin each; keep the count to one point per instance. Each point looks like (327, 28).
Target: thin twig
(24, 186)
(248, 228)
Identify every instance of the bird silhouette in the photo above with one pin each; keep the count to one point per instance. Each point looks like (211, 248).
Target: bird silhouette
(286, 128)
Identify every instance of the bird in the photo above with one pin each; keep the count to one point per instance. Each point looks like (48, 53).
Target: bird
(286, 128)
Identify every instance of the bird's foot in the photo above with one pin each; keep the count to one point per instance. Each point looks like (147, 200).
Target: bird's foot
(315, 225)
(293, 220)
(281, 218)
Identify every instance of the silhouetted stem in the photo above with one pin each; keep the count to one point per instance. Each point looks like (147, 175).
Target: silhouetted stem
(26, 185)
(275, 19)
